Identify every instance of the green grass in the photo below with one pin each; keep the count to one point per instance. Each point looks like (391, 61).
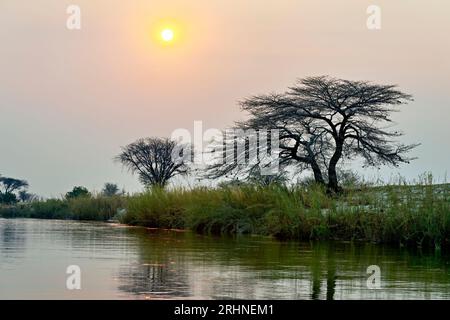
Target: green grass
(88, 208)
(405, 215)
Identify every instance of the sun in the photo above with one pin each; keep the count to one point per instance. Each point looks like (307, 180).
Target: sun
(167, 35)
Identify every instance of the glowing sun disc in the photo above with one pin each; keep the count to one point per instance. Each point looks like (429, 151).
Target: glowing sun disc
(167, 35)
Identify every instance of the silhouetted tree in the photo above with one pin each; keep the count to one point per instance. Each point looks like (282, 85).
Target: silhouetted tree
(8, 198)
(25, 196)
(11, 185)
(155, 160)
(8, 188)
(78, 192)
(110, 189)
(322, 120)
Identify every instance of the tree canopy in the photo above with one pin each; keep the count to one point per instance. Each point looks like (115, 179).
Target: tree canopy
(155, 160)
(9, 187)
(110, 189)
(78, 192)
(322, 120)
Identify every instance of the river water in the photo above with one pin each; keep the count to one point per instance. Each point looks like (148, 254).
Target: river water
(120, 262)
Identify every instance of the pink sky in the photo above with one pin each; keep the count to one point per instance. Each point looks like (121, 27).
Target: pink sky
(70, 99)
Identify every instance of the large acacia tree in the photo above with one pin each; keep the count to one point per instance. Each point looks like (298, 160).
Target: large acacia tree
(155, 160)
(322, 120)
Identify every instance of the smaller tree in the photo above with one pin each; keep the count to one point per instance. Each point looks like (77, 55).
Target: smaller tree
(11, 185)
(8, 188)
(110, 189)
(78, 192)
(155, 160)
(8, 198)
(25, 196)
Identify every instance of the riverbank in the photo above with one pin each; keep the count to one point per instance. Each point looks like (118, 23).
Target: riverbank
(417, 216)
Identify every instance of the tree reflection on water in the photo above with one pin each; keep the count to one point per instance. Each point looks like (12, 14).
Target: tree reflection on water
(184, 265)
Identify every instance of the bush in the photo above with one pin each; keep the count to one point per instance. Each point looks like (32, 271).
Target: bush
(156, 208)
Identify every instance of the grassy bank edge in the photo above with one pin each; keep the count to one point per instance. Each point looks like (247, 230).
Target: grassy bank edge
(417, 216)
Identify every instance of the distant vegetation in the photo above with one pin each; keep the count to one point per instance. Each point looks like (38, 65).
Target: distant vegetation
(14, 190)
(78, 192)
(110, 190)
(78, 204)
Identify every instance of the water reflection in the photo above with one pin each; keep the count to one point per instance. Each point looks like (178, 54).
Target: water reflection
(186, 265)
(326, 271)
(13, 242)
(136, 263)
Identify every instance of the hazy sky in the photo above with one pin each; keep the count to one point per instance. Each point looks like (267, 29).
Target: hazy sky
(70, 98)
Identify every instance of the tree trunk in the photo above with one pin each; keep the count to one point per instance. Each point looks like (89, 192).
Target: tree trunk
(318, 177)
(333, 185)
